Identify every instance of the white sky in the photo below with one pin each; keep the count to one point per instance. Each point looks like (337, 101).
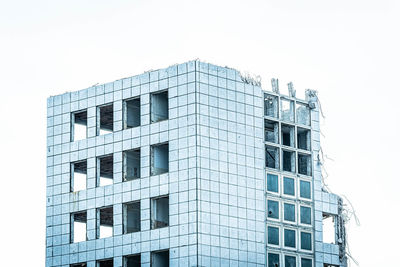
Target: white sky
(347, 50)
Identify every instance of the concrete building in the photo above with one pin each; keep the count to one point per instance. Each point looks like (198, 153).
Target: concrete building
(192, 165)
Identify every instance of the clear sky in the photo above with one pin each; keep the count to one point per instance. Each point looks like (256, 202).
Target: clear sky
(347, 50)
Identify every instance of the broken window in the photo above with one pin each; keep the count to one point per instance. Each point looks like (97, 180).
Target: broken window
(272, 183)
(78, 226)
(305, 189)
(304, 164)
(104, 222)
(289, 212)
(132, 261)
(78, 175)
(303, 139)
(271, 105)
(271, 131)
(131, 164)
(273, 260)
(105, 170)
(306, 262)
(159, 212)
(305, 215)
(131, 217)
(82, 264)
(273, 235)
(79, 125)
(159, 159)
(105, 119)
(302, 114)
(105, 263)
(328, 228)
(159, 106)
(287, 110)
(305, 240)
(289, 238)
(290, 261)
(160, 258)
(272, 157)
(132, 113)
(273, 209)
(288, 161)
(287, 135)
(288, 186)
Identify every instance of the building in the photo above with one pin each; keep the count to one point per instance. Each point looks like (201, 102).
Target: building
(192, 165)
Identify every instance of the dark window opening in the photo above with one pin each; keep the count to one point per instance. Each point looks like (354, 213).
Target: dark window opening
(289, 161)
(131, 164)
(105, 170)
(304, 164)
(105, 263)
(82, 264)
(160, 258)
(159, 106)
(159, 159)
(303, 139)
(159, 212)
(272, 157)
(287, 135)
(132, 261)
(105, 119)
(104, 222)
(131, 217)
(271, 131)
(132, 113)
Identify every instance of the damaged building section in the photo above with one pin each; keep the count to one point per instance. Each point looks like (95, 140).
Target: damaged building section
(104, 222)
(159, 212)
(105, 170)
(105, 117)
(132, 113)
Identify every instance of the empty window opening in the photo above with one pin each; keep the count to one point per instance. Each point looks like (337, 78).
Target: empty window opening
(302, 114)
(273, 209)
(78, 227)
(305, 189)
(289, 211)
(159, 159)
(288, 186)
(159, 106)
(271, 105)
(287, 135)
(273, 260)
(79, 125)
(105, 263)
(306, 262)
(271, 157)
(132, 113)
(305, 215)
(132, 261)
(159, 212)
(105, 170)
(78, 175)
(290, 238)
(305, 240)
(131, 217)
(272, 183)
(131, 164)
(290, 261)
(328, 228)
(82, 264)
(287, 110)
(330, 265)
(289, 161)
(273, 235)
(271, 131)
(304, 164)
(160, 258)
(104, 222)
(105, 119)
(303, 139)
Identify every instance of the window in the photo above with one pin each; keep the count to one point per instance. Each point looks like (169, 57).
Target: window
(105, 119)
(289, 211)
(78, 175)
(272, 157)
(104, 222)
(304, 164)
(287, 132)
(272, 183)
(302, 114)
(305, 240)
(290, 261)
(82, 264)
(287, 110)
(288, 161)
(78, 227)
(105, 170)
(271, 106)
(273, 260)
(105, 263)
(159, 106)
(159, 212)
(305, 215)
(131, 164)
(290, 238)
(271, 131)
(273, 209)
(306, 262)
(303, 139)
(131, 217)
(79, 125)
(328, 228)
(288, 186)
(132, 113)
(159, 159)
(132, 261)
(273, 235)
(160, 258)
(305, 189)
